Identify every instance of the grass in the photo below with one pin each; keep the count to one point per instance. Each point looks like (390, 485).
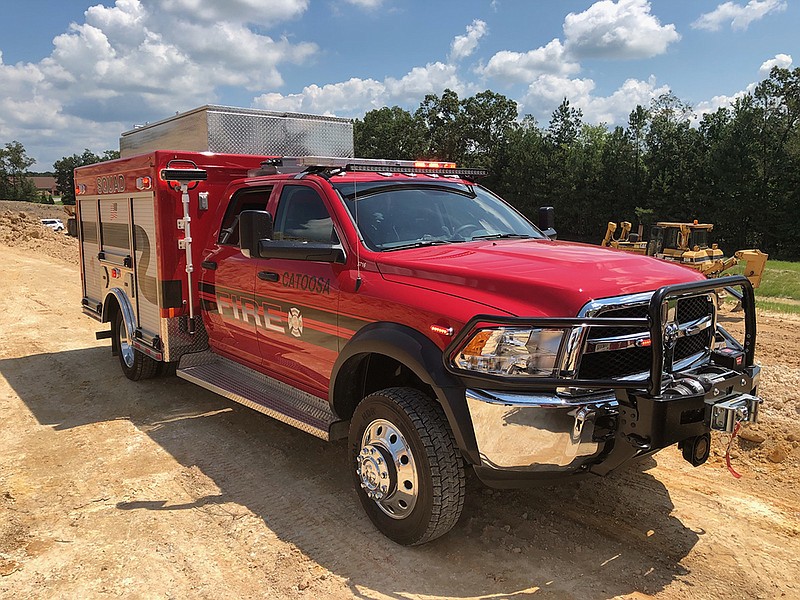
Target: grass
(780, 287)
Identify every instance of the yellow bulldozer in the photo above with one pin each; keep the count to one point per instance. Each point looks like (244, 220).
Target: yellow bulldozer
(687, 244)
(72, 222)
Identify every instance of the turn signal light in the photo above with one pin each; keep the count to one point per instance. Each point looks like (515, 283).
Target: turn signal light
(144, 183)
(442, 330)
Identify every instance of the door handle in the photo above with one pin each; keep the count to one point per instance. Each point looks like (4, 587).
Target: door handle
(209, 264)
(269, 276)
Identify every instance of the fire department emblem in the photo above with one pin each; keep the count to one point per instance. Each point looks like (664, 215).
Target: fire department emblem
(295, 322)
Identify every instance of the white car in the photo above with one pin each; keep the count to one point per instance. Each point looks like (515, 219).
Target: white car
(54, 224)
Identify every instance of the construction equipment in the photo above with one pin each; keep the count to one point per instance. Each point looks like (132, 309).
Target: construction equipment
(687, 244)
(72, 221)
(626, 241)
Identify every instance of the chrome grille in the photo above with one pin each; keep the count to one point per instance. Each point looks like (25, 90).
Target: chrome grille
(612, 352)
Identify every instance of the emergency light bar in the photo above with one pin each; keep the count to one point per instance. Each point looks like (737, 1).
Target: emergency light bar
(367, 165)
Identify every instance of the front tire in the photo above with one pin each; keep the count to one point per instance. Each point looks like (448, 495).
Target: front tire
(407, 470)
(135, 364)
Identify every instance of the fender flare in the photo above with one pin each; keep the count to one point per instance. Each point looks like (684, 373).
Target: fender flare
(125, 308)
(423, 357)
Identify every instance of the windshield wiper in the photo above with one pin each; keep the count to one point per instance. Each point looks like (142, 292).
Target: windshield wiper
(501, 236)
(417, 244)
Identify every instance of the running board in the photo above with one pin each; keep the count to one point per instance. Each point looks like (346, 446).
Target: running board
(264, 394)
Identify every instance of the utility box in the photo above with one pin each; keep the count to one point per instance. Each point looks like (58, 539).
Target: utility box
(229, 130)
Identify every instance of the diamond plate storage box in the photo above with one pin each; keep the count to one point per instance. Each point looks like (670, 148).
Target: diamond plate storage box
(242, 131)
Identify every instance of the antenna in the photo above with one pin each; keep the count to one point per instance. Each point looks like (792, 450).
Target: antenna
(358, 237)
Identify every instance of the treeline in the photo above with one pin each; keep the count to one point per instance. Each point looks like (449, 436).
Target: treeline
(738, 167)
(15, 184)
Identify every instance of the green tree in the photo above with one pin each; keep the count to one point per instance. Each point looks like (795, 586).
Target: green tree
(444, 124)
(389, 133)
(523, 173)
(14, 163)
(672, 159)
(777, 102)
(488, 119)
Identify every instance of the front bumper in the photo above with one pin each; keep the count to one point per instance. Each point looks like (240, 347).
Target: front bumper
(539, 432)
(531, 437)
(525, 429)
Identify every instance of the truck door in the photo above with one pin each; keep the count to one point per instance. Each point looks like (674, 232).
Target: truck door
(300, 298)
(227, 281)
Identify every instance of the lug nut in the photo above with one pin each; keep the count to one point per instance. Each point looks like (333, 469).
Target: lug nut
(384, 475)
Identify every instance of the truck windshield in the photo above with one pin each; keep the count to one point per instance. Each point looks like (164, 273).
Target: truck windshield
(393, 216)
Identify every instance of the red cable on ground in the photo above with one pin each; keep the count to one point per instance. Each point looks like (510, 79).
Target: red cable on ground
(728, 451)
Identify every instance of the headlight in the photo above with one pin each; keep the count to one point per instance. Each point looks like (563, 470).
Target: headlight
(511, 351)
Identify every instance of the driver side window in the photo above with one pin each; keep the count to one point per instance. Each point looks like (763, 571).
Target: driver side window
(247, 199)
(302, 216)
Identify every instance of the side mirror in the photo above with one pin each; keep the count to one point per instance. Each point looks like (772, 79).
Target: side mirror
(547, 221)
(255, 241)
(254, 226)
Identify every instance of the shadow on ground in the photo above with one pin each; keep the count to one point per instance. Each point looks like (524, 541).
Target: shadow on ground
(593, 539)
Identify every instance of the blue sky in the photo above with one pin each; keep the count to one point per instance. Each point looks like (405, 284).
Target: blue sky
(75, 74)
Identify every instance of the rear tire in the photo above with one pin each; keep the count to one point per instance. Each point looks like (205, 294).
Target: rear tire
(407, 470)
(135, 364)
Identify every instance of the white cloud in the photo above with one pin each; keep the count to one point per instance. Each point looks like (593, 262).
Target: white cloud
(433, 78)
(368, 4)
(738, 16)
(519, 67)
(548, 91)
(464, 45)
(724, 101)
(356, 96)
(234, 55)
(136, 60)
(348, 97)
(260, 12)
(784, 61)
(623, 29)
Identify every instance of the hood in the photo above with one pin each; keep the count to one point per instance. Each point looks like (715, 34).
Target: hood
(530, 277)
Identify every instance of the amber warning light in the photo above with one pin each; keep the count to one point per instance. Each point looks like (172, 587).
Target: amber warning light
(442, 330)
(428, 164)
(144, 183)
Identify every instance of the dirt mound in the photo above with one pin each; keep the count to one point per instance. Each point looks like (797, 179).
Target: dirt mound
(24, 230)
(39, 211)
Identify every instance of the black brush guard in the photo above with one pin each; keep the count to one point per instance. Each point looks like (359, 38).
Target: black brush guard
(663, 409)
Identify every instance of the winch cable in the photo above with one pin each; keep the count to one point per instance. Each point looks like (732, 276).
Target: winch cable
(728, 450)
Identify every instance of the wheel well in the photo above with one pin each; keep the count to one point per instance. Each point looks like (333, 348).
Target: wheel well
(364, 374)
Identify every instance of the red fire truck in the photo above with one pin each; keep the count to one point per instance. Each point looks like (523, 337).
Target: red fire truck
(403, 306)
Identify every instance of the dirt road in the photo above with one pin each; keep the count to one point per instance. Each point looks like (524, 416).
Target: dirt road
(159, 489)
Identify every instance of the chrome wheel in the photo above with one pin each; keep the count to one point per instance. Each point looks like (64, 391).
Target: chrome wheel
(387, 469)
(126, 350)
(135, 364)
